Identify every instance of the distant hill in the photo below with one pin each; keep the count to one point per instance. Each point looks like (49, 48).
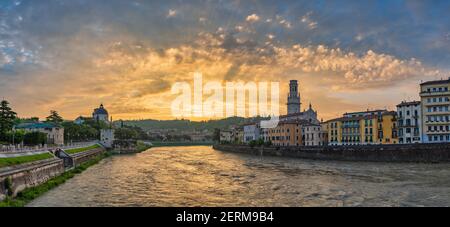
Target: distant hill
(187, 125)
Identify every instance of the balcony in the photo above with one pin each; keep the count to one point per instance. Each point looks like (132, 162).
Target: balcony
(437, 122)
(437, 113)
(434, 93)
(437, 103)
(437, 132)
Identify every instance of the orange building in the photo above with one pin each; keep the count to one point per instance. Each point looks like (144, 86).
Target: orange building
(287, 133)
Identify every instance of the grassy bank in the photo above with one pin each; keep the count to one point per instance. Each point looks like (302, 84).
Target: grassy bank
(177, 144)
(23, 159)
(142, 147)
(29, 194)
(82, 149)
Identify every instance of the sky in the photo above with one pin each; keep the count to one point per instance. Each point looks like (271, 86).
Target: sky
(72, 55)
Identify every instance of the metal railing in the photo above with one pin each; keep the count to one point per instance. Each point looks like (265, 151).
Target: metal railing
(42, 148)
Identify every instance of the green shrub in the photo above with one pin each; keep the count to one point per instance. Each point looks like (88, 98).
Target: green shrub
(9, 186)
(35, 138)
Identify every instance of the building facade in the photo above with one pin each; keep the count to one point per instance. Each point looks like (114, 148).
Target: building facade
(287, 133)
(264, 135)
(239, 136)
(363, 128)
(409, 122)
(107, 137)
(311, 134)
(226, 136)
(251, 132)
(435, 102)
(55, 133)
(323, 134)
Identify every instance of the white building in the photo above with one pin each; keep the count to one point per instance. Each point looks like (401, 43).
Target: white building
(107, 137)
(55, 133)
(409, 122)
(311, 134)
(251, 132)
(264, 134)
(435, 99)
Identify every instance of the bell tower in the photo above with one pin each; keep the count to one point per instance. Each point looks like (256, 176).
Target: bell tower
(293, 100)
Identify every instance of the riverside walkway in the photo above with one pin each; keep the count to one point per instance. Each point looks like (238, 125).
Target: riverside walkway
(9, 152)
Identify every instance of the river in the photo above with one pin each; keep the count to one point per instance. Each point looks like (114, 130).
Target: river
(202, 176)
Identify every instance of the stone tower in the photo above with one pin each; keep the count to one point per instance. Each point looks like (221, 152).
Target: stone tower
(293, 101)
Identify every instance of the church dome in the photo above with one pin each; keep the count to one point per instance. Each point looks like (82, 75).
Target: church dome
(100, 111)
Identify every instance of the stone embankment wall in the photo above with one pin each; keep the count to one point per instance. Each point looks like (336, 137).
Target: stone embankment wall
(372, 153)
(35, 173)
(29, 175)
(80, 158)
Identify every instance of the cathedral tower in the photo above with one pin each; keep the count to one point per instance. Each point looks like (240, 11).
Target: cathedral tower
(293, 100)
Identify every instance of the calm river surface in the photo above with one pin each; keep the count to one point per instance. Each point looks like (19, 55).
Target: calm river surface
(201, 176)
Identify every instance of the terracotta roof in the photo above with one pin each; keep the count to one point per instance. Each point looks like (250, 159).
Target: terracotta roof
(383, 112)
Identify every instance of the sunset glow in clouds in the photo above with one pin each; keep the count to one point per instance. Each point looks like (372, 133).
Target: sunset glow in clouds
(71, 55)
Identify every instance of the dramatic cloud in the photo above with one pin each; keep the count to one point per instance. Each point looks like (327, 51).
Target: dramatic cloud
(73, 55)
(171, 13)
(306, 19)
(252, 18)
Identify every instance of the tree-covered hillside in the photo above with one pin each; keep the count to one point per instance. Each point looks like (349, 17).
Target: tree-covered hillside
(187, 125)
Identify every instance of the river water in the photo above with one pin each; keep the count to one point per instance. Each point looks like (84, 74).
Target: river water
(202, 176)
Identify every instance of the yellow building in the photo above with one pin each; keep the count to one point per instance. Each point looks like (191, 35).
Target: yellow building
(362, 128)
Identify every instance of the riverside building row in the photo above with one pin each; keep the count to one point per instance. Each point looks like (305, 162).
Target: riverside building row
(424, 121)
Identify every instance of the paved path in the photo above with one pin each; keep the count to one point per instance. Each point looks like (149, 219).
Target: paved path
(44, 150)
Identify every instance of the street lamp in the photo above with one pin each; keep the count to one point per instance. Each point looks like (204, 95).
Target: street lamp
(14, 133)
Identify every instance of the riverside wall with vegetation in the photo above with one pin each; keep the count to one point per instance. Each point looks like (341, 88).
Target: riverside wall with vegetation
(17, 178)
(84, 156)
(428, 153)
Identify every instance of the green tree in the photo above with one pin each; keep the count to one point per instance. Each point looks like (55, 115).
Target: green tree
(125, 134)
(260, 142)
(35, 138)
(54, 118)
(83, 132)
(16, 136)
(216, 135)
(7, 118)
